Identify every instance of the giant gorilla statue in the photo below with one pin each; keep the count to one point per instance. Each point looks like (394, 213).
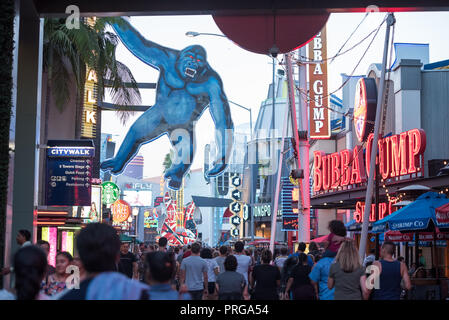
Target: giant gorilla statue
(187, 85)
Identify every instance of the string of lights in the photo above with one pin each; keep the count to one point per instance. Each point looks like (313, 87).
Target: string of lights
(307, 59)
(341, 48)
(306, 96)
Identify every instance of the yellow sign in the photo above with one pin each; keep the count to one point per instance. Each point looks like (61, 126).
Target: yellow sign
(89, 116)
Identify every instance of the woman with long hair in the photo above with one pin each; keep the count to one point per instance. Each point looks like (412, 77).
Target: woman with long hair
(30, 266)
(347, 275)
(56, 282)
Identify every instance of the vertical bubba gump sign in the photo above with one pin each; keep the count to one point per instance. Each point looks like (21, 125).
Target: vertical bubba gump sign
(399, 155)
(320, 127)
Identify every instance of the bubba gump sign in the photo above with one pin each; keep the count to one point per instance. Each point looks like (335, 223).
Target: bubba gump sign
(399, 155)
(384, 210)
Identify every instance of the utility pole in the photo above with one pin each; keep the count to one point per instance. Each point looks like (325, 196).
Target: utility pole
(369, 188)
(303, 153)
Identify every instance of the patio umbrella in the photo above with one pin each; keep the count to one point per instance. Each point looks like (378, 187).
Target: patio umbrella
(442, 216)
(414, 217)
(417, 217)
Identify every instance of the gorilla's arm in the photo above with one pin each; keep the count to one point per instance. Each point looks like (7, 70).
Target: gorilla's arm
(224, 127)
(148, 51)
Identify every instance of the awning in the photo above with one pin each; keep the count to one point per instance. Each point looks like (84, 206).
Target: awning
(397, 236)
(415, 216)
(211, 202)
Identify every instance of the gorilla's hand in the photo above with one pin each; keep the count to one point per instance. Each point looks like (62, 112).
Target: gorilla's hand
(218, 167)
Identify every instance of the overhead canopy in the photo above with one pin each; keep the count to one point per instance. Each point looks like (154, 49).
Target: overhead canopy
(415, 216)
(211, 202)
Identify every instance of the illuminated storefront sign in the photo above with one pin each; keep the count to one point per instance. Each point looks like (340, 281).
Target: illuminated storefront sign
(385, 209)
(50, 234)
(110, 192)
(67, 241)
(121, 211)
(89, 115)
(365, 107)
(264, 211)
(399, 155)
(320, 126)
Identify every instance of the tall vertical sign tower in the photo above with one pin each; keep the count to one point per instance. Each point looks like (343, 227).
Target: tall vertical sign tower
(320, 127)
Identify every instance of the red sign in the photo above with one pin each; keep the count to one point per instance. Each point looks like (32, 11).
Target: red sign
(121, 211)
(397, 236)
(442, 214)
(399, 155)
(365, 105)
(385, 209)
(320, 127)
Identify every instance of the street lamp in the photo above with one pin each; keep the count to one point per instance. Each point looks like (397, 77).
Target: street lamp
(195, 34)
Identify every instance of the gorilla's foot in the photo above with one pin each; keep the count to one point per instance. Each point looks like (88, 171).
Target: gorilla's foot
(174, 184)
(111, 165)
(217, 169)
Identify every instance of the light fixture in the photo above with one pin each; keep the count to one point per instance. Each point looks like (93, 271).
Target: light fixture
(341, 201)
(263, 226)
(325, 203)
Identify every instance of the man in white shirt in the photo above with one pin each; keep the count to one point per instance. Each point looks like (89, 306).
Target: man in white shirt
(243, 261)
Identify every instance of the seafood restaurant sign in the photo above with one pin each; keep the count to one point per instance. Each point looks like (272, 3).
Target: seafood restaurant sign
(399, 155)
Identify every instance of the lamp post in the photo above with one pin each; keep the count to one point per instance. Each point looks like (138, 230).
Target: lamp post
(196, 34)
(252, 191)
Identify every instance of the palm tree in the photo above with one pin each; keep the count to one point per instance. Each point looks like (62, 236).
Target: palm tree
(72, 51)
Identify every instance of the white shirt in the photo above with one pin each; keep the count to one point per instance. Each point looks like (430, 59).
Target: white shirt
(26, 243)
(211, 265)
(243, 263)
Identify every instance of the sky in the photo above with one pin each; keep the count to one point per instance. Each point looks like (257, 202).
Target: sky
(246, 76)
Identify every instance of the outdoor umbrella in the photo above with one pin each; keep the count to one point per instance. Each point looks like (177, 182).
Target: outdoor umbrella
(442, 216)
(419, 216)
(414, 217)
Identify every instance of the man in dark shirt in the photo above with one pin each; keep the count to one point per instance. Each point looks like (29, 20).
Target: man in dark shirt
(128, 262)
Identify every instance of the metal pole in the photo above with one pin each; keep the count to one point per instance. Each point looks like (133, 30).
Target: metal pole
(377, 209)
(369, 188)
(303, 154)
(278, 182)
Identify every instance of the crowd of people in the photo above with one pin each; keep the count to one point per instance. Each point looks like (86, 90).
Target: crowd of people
(107, 269)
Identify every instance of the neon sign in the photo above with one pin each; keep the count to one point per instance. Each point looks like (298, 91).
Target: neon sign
(399, 155)
(365, 107)
(385, 209)
(121, 211)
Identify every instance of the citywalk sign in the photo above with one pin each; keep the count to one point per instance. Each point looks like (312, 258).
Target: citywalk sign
(398, 155)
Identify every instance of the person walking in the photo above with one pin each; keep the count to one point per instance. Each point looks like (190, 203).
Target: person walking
(286, 272)
(223, 251)
(279, 261)
(56, 282)
(44, 245)
(347, 274)
(265, 279)
(370, 258)
(319, 277)
(128, 262)
(299, 282)
(314, 252)
(30, 263)
(159, 273)
(212, 272)
(162, 244)
(194, 274)
(391, 273)
(99, 249)
(231, 285)
(243, 261)
(301, 249)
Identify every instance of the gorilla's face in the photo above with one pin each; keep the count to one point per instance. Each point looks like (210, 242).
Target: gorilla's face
(191, 63)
